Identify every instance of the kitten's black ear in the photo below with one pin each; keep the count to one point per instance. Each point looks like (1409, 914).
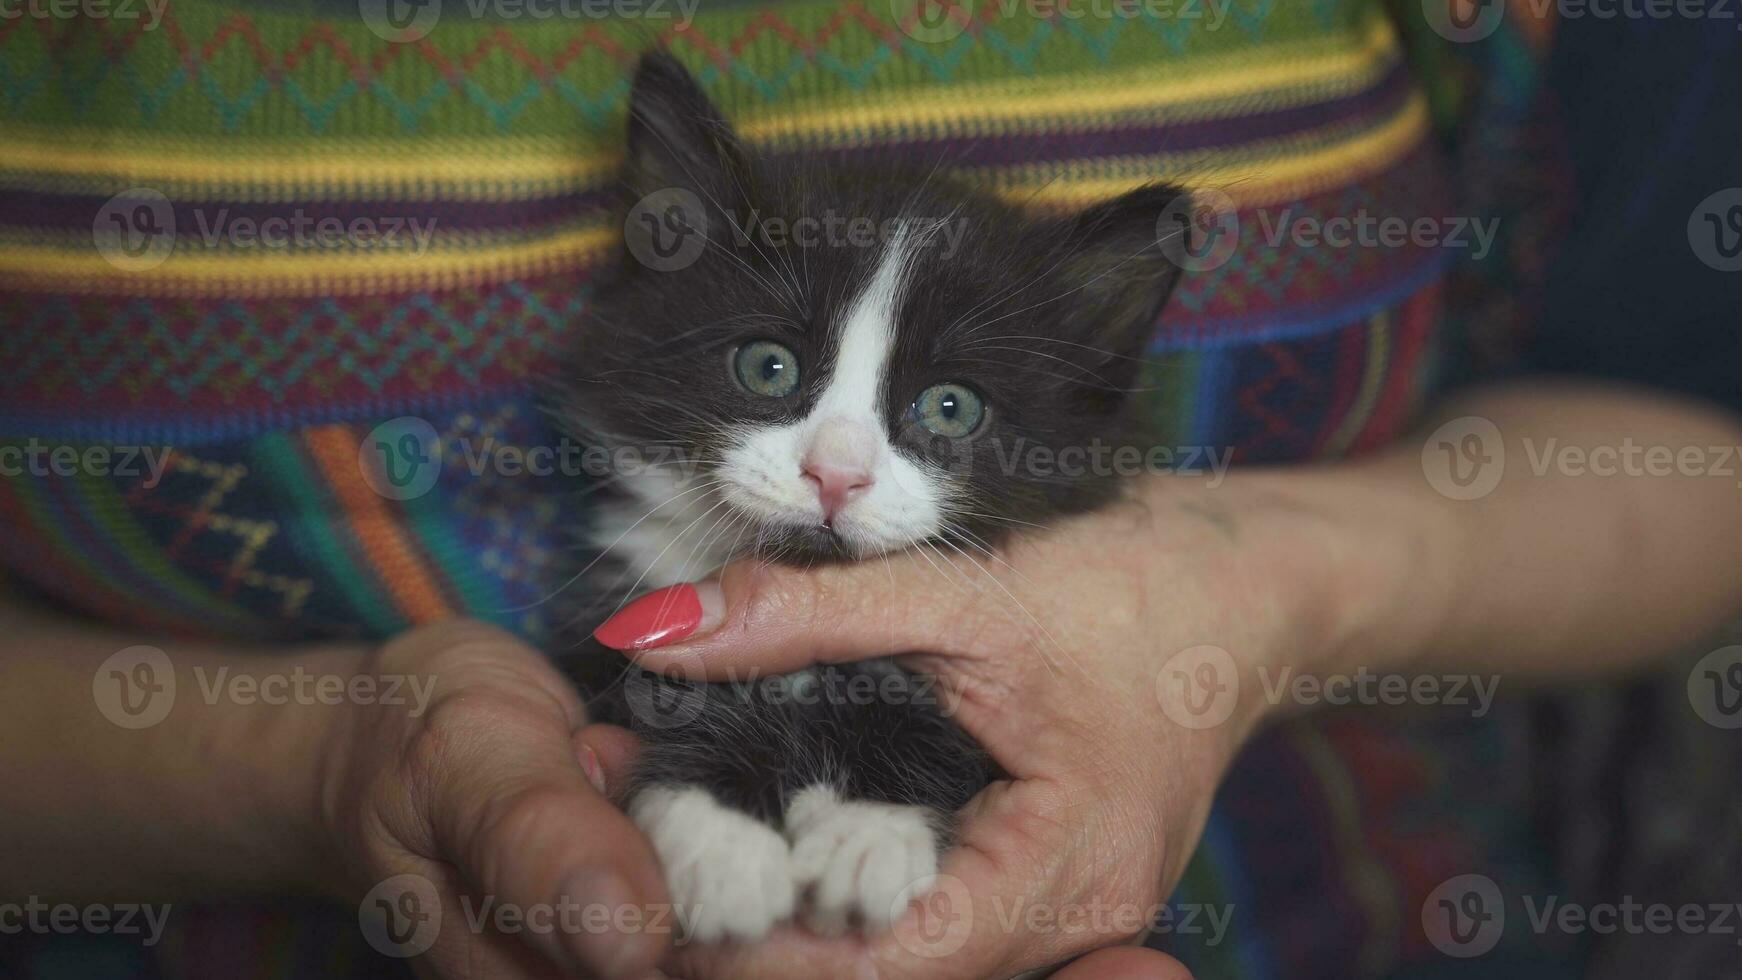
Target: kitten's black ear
(1114, 256)
(677, 138)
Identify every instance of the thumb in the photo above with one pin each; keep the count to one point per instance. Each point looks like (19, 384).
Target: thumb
(1125, 963)
(760, 617)
(522, 820)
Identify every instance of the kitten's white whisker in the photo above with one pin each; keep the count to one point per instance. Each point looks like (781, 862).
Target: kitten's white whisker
(1081, 370)
(607, 549)
(656, 558)
(781, 296)
(1088, 347)
(1079, 287)
(1032, 619)
(999, 517)
(719, 530)
(921, 551)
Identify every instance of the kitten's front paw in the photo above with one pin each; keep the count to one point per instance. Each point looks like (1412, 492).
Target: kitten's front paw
(729, 874)
(857, 858)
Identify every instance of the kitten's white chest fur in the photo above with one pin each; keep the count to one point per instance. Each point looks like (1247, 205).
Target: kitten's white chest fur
(846, 863)
(671, 529)
(837, 411)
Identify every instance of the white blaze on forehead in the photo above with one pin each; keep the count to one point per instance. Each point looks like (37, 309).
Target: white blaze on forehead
(867, 337)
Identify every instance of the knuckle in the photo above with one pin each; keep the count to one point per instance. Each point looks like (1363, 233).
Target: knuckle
(781, 595)
(430, 639)
(520, 821)
(445, 741)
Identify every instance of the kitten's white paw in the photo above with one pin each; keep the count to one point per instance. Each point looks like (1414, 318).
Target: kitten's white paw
(857, 858)
(729, 874)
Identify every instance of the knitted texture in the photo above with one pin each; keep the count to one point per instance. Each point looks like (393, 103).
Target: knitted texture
(255, 372)
(260, 368)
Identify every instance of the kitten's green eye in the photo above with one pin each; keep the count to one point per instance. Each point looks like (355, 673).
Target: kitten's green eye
(766, 368)
(951, 410)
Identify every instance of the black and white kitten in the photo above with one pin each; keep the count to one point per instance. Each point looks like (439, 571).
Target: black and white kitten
(840, 394)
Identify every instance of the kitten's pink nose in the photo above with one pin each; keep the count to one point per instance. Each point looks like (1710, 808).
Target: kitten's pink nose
(836, 485)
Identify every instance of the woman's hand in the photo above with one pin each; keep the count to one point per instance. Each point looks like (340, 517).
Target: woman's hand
(489, 809)
(1063, 649)
(1089, 658)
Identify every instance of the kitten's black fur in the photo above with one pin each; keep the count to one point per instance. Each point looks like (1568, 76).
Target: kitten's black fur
(1046, 316)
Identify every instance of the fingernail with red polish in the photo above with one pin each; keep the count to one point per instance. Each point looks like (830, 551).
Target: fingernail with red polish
(665, 616)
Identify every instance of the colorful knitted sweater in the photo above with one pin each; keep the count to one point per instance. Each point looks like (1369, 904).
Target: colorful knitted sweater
(149, 310)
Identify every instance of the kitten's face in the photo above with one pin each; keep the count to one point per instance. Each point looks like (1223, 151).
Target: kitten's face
(857, 362)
